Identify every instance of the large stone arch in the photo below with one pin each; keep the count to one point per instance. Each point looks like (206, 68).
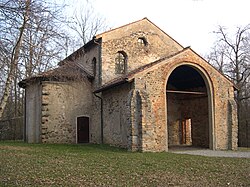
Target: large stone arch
(210, 99)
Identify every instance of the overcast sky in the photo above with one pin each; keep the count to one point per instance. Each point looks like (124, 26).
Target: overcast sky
(190, 22)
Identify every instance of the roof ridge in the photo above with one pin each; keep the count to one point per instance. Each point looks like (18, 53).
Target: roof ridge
(145, 18)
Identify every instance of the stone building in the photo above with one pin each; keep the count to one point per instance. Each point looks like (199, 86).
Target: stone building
(133, 87)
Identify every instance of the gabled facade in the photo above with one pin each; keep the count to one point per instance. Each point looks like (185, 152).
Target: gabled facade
(138, 89)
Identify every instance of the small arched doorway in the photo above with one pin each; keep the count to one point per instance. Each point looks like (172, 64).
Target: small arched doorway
(188, 98)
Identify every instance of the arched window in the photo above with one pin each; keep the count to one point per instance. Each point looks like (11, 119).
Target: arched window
(94, 66)
(121, 62)
(142, 41)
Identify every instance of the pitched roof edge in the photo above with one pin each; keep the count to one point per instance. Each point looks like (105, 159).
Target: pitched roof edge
(130, 76)
(145, 18)
(142, 68)
(234, 85)
(81, 49)
(164, 32)
(116, 28)
(57, 72)
(112, 85)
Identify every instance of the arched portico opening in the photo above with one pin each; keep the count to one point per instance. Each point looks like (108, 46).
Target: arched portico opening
(189, 119)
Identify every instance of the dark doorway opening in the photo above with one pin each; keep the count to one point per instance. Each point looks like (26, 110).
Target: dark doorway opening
(187, 108)
(83, 130)
(186, 131)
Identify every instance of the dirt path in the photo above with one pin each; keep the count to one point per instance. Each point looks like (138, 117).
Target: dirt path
(207, 152)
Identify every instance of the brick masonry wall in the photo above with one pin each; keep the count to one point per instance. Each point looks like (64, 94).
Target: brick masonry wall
(153, 82)
(85, 57)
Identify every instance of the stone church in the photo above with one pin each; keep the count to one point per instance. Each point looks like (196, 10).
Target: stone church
(134, 87)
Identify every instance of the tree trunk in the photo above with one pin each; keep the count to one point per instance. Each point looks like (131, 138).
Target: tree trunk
(14, 61)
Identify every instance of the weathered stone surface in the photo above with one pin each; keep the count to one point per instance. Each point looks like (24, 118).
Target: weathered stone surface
(220, 91)
(126, 39)
(65, 102)
(115, 115)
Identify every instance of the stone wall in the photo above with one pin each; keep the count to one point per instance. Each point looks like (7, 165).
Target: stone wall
(196, 109)
(174, 117)
(115, 110)
(88, 58)
(182, 107)
(141, 124)
(126, 39)
(62, 103)
(96, 119)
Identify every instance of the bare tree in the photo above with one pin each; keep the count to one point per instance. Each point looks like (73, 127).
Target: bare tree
(33, 38)
(231, 56)
(85, 23)
(24, 15)
(29, 42)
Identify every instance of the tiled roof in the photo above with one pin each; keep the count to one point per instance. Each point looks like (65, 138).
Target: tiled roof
(68, 71)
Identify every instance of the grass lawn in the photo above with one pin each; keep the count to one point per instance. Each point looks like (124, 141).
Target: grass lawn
(100, 165)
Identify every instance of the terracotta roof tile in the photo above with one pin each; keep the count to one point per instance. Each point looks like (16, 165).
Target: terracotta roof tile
(68, 71)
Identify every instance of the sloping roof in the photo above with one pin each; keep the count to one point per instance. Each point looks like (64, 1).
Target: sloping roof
(235, 86)
(130, 76)
(67, 71)
(80, 51)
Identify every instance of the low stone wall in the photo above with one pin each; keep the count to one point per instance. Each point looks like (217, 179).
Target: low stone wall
(12, 129)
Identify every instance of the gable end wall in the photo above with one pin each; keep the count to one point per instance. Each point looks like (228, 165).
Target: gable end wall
(153, 82)
(126, 39)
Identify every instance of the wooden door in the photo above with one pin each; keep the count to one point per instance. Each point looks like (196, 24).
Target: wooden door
(82, 130)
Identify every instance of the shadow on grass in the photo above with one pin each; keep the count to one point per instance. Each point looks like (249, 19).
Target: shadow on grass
(66, 147)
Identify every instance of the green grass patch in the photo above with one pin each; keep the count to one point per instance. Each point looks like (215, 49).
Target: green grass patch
(101, 165)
